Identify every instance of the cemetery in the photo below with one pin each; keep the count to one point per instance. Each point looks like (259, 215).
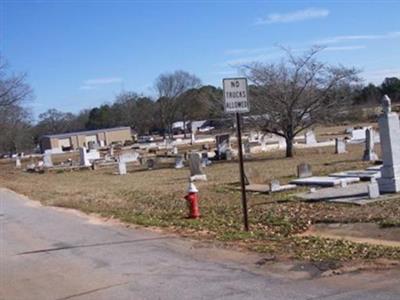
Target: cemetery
(336, 177)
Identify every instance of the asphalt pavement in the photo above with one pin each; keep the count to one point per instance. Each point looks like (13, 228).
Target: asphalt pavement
(50, 253)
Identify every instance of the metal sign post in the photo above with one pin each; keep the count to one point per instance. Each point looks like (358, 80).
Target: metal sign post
(235, 97)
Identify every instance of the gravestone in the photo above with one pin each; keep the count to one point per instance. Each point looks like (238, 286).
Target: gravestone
(174, 150)
(304, 170)
(18, 163)
(369, 153)
(223, 144)
(275, 185)
(196, 169)
(246, 148)
(179, 162)
(84, 160)
(253, 136)
(228, 154)
(111, 151)
(309, 137)
(151, 163)
(373, 189)
(340, 146)
(129, 156)
(204, 159)
(389, 131)
(122, 168)
(47, 161)
(281, 142)
(93, 154)
(359, 134)
(263, 142)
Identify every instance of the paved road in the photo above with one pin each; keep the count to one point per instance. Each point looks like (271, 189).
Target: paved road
(48, 253)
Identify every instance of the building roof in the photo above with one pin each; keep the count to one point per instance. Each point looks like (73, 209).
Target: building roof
(86, 132)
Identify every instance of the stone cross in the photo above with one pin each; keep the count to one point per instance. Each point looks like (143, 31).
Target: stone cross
(369, 153)
(389, 131)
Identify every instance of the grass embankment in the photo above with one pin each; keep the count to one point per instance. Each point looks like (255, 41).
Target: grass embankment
(155, 198)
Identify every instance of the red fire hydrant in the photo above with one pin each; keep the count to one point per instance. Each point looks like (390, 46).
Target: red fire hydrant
(192, 199)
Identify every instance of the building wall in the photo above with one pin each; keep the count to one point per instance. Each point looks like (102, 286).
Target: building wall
(78, 141)
(118, 136)
(81, 141)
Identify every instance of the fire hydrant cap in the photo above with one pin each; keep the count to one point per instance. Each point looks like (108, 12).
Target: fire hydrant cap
(192, 188)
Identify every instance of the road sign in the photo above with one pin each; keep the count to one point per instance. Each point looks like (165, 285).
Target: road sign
(235, 95)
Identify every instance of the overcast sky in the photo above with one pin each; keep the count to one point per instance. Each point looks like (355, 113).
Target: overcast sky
(80, 54)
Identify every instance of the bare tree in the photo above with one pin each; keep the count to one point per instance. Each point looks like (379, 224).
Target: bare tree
(13, 87)
(15, 129)
(297, 93)
(169, 87)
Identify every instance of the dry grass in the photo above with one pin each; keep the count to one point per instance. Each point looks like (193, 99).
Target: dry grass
(155, 198)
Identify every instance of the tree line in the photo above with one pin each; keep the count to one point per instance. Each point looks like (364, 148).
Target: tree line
(286, 97)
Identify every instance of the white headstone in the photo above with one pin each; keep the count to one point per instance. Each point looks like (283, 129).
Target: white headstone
(309, 137)
(93, 154)
(282, 142)
(129, 156)
(18, 163)
(223, 144)
(369, 153)
(373, 189)
(389, 131)
(111, 151)
(179, 162)
(196, 169)
(84, 161)
(359, 134)
(47, 161)
(121, 168)
(340, 146)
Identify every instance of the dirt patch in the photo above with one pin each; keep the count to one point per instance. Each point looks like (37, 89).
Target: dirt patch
(370, 233)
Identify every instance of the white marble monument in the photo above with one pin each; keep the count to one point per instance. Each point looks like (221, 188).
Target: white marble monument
(389, 131)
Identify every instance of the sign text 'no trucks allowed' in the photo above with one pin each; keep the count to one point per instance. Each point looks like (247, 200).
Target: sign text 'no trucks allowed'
(235, 95)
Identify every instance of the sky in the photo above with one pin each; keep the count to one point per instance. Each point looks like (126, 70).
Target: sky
(81, 54)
